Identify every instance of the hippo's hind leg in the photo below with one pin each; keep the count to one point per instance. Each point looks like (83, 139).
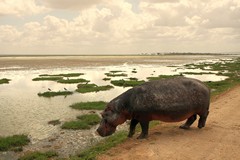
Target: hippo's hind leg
(202, 120)
(133, 124)
(144, 126)
(189, 122)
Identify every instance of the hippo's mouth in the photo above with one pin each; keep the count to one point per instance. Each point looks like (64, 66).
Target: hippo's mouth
(104, 132)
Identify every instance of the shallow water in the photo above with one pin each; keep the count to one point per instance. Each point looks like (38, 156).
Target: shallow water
(22, 111)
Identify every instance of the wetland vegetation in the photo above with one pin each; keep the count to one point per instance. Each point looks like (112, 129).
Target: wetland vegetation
(98, 105)
(228, 68)
(39, 155)
(162, 77)
(14, 142)
(83, 122)
(116, 74)
(62, 75)
(85, 88)
(4, 80)
(70, 81)
(61, 78)
(127, 83)
(53, 94)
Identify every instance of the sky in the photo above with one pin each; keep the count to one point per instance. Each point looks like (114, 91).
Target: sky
(89, 27)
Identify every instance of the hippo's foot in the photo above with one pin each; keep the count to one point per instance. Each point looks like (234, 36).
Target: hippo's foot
(202, 120)
(189, 122)
(133, 124)
(200, 125)
(144, 126)
(142, 136)
(130, 134)
(184, 126)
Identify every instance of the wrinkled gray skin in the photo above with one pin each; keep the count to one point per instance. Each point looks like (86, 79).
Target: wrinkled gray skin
(169, 100)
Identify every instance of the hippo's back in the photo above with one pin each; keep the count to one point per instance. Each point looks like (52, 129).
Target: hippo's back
(169, 95)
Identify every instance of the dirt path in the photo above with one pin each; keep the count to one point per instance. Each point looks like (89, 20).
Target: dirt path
(220, 139)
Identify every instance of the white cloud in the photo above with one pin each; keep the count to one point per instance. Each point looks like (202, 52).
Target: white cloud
(9, 34)
(115, 27)
(70, 4)
(20, 7)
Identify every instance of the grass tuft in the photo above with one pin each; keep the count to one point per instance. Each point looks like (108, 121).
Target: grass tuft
(98, 105)
(106, 79)
(127, 83)
(83, 122)
(85, 88)
(116, 75)
(53, 94)
(4, 80)
(11, 142)
(39, 155)
(62, 75)
(102, 146)
(70, 81)
(162, 77)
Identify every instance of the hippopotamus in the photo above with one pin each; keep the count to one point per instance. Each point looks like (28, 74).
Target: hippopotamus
(167, 100)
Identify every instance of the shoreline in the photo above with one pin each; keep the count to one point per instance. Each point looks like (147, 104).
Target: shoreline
(43, 62)
(143, 54)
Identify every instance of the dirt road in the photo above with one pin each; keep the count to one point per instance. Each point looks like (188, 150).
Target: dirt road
(220, 139)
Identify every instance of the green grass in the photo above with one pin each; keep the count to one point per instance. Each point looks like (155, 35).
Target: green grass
(231, 69)
(117, 138)
(47, 79)
(70, 81)
(59, 78)
(85, 88)
(39, 155)
(116, 75)
(197, 73)
(90, 119)
(106, 79)
(53, 94)
(98, 105)
(63, 75)
(133, 79)
(162, 77)
(82, 122)
(127, 83)
(11, 142)
(4, 80)
(101, 147)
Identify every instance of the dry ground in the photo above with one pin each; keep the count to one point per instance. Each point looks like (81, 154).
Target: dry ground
(220, 139)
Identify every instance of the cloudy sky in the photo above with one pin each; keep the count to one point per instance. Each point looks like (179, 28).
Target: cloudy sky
(119, 26)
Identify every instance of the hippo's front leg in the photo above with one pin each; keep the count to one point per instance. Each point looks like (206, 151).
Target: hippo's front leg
(133, 124)
(144, 126)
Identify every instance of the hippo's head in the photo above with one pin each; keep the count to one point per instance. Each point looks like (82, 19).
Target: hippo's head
(111, 118)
